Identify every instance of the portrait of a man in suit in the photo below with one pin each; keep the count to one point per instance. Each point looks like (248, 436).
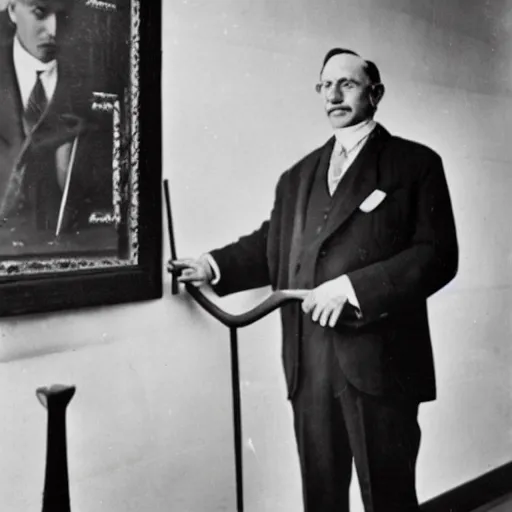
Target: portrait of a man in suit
(364, 223)
(55, 157)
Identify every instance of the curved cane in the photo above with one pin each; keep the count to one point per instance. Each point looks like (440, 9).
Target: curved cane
(276, 300)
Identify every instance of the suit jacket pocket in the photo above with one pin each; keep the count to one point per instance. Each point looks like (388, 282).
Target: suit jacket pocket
(388, 226)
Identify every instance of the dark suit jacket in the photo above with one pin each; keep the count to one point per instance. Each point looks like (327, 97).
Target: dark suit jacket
(91, 184)
(396, 256)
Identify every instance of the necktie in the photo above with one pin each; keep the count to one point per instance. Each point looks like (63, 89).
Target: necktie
(37, 103)
(336, 168)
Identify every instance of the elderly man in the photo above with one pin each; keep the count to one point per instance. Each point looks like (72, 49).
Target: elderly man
(365, 223)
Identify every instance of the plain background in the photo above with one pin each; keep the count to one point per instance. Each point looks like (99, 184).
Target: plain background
(150, 425)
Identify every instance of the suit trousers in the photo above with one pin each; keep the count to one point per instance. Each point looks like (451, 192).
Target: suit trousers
(335, 423)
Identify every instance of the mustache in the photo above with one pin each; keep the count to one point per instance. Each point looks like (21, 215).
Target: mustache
(333, 108)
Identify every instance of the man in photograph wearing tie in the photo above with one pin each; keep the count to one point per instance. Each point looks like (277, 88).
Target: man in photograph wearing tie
(38, 124)
(365, 223)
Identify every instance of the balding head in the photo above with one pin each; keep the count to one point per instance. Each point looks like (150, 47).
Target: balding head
(370, 68)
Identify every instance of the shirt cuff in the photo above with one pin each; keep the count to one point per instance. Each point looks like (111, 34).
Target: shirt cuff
(213, 267)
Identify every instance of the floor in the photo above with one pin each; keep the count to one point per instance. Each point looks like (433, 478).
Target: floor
(503, 504)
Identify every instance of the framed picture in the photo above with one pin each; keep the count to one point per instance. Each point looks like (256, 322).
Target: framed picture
(80, 153)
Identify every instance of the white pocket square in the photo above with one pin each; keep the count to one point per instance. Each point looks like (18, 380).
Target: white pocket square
(372, 201)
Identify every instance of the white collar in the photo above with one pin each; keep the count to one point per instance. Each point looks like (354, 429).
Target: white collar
(26, 66)
(350, 136)
(23, 60)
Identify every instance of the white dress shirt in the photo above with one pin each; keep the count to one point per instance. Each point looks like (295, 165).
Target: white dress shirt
(26, 67)
(349, 142)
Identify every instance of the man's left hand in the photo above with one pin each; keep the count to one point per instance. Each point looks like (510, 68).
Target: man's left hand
(326, 302)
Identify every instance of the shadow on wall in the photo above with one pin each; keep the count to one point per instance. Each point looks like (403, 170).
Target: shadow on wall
(496, 26)
(491, 21)
(450, 50)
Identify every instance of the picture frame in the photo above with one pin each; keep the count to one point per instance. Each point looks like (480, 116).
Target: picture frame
(100, 241)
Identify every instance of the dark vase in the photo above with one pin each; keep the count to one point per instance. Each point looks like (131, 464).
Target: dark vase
(56, 483)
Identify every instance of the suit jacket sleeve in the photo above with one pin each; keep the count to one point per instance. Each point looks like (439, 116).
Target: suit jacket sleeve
(425, 266)
(243, 264)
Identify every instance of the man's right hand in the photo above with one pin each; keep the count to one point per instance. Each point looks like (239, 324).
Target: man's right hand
(197, 272)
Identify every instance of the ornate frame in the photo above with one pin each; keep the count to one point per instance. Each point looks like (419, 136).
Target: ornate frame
(58, 282)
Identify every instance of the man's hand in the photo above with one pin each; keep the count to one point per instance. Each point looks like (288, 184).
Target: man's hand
(197, 272)
(326, 302)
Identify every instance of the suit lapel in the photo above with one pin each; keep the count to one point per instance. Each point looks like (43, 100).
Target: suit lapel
(318, 161)
(359, 182)
(11, 130)
(59, 124)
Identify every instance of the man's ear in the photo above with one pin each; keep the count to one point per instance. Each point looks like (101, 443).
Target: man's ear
(10, 10)
(376, 94)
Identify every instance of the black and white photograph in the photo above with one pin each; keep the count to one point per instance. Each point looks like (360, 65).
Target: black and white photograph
(255, 255)
(66, 92)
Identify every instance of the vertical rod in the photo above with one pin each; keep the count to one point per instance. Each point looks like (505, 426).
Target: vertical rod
(174, 289)
(237, 422)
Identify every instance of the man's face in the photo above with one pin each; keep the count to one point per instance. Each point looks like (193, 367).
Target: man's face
(36, 25)
(346, 90)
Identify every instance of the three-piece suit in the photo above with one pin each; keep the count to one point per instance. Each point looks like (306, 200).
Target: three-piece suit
(355, 388)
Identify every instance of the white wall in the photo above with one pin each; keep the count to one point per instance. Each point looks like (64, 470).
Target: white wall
(150, 425)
